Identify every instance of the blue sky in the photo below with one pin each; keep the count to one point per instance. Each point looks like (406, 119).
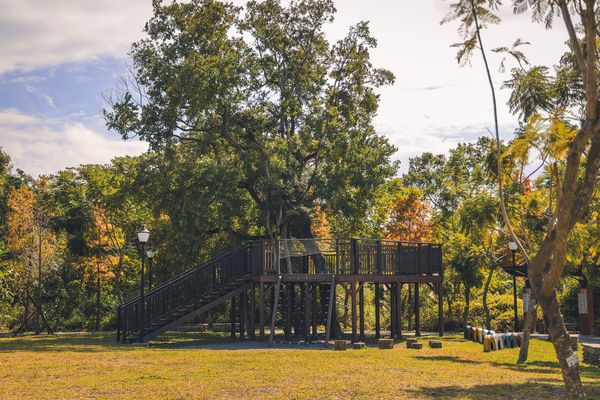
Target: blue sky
(60, 56)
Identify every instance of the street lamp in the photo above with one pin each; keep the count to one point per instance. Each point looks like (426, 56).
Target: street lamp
(513, 248)
(150, 255)
(143, 237)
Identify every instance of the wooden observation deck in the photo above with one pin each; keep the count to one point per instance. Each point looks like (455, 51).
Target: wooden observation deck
(290, 286)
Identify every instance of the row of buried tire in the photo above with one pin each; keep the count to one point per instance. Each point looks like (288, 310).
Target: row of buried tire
(491, 340)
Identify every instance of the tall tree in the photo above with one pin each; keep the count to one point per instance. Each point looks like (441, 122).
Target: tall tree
(578, 175)
(265, 96)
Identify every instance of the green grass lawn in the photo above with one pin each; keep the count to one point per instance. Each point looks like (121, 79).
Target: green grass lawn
(94, 366)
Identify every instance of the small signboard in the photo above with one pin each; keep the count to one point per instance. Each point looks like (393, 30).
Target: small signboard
(582, 301)
(526, 297)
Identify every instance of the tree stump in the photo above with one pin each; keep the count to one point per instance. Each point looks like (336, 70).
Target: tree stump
(416, 345)
(435, 344)
(340, 344)
(358, 346)
(386, 344)
(410, 341)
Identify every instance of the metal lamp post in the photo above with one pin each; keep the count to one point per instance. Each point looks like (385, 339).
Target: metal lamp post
(143, 237)
(513, 248)
(150, 255)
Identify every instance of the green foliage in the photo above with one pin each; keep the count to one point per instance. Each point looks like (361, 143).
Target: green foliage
(287, 115)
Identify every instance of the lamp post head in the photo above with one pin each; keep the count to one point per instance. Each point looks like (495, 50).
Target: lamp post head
(143, 235)
(150, 253)
(512, 246)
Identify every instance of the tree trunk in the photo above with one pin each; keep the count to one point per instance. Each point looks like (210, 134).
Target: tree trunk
(346, 309)
(486, 289)
(465, 317)
(527, 324)
(569, 364)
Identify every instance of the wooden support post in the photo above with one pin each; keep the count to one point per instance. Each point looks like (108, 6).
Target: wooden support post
(417, 311)
(242, 314)
(353, 297)
(289, 310)
(398, 310)
(233, 314)
(307, 308)
(252, 313)
(441, 308)
(361, 311)
(261, 310)
(315, 310)
(330, 309)
(377, 311)
(300, 311)
(277, 290)
(392, 310)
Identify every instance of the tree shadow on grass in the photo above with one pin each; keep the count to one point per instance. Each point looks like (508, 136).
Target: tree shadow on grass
(84, 342)
(539, 367)
(449, 358)
(106, 341)
(534, 389)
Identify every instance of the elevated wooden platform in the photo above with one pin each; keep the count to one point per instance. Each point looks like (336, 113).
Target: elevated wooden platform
(295, 281)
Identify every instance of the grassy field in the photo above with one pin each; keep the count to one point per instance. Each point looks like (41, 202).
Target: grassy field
(94, 367)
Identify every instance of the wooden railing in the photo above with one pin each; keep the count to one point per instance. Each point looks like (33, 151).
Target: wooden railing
(353, 257)
(185, 290)
(274, 257)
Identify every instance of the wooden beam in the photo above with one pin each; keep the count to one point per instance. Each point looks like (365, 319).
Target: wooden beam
(345, 278)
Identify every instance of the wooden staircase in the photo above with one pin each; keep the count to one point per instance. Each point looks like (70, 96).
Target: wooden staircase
(185, 296)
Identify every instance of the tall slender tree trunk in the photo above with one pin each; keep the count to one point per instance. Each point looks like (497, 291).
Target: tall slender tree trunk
(465, 316)
(486, 290)
(501, 198)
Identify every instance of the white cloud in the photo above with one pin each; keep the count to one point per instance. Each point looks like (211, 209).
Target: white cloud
(37, 33)
(40, 145)
(434, 105)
